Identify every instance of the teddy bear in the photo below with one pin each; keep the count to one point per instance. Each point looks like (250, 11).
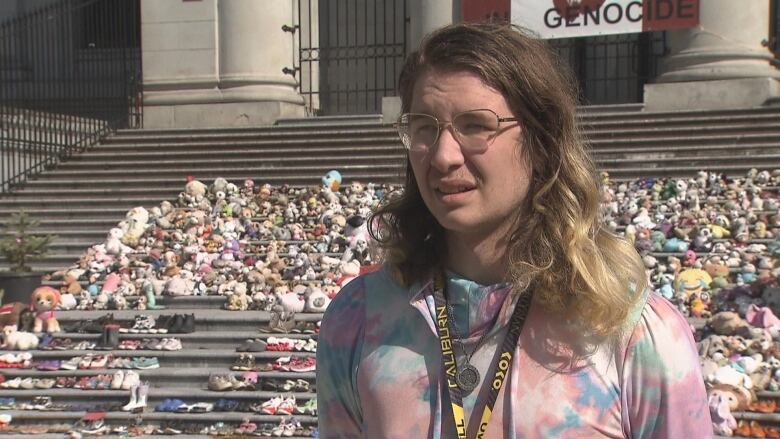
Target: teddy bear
(316, 300)
(18, 340)
(134, 225)
(114, 244)
(238, 301)
(44, 301)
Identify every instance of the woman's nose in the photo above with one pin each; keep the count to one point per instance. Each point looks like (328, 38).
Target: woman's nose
(446, 152)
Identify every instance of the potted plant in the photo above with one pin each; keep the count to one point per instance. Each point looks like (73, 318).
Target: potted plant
(20, 247)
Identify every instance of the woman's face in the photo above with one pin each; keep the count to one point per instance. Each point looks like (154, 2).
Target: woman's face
(474, 193)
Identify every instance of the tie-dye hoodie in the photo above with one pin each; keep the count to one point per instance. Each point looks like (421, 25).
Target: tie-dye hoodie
(379, 372)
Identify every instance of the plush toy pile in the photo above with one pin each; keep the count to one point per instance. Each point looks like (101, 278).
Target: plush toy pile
(286, 249)
(709, 245)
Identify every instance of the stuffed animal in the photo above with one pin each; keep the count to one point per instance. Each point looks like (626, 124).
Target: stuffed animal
(316, 300)
(17, 340)
(10, 312)
(332, 180)
(723, 421)
(114, 244)
(44, 301)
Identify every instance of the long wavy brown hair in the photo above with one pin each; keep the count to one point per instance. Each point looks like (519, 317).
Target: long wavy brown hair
(558, 247)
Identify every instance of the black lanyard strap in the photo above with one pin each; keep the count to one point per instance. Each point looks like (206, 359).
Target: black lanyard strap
(499, 368)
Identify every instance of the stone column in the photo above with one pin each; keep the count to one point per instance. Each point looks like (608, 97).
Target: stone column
(722, 63)
(426, 16)
(219, 63)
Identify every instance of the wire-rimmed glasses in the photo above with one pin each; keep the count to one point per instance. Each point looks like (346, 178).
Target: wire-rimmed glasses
(474, 129)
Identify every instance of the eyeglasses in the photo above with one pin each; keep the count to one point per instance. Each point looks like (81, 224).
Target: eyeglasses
(474, 130)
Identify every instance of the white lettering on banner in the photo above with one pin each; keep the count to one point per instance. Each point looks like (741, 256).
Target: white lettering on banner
(573, 18)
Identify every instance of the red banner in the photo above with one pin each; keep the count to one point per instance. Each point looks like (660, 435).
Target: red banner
(670, 14)
(472, 11)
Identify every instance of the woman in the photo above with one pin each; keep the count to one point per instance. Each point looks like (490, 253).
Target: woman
(503, 309)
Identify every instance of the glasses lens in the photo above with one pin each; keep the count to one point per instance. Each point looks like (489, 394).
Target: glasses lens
(476, 128)
(418, 131)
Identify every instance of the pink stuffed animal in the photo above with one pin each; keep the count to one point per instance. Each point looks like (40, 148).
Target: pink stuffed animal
(723, 421)
(44, 300)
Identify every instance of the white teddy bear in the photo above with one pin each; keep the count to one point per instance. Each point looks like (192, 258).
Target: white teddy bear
(19, 340)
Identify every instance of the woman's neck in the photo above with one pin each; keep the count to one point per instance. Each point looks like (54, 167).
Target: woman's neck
(477, 257)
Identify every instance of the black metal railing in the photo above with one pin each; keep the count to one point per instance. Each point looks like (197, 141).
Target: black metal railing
(350, 53)
(774, 27)
(613, 69)
(69, 74)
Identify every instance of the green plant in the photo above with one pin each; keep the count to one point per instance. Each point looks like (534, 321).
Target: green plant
(19, 246)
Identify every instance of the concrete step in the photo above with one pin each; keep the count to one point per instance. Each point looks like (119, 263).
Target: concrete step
(46, 180)
(185, 358)
(231, 150)
(197, 340)
(170, 377)
(150, 415)
(676, 114)
(196, 164)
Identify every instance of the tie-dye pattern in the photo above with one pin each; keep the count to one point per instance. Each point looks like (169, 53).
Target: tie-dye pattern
(379, 369)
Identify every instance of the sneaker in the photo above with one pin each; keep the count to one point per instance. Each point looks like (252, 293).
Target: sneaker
(117, 379)
(99, 362)
(145, 363)
(286, 407)
(45, 383)
(131, 379)
(308, 364)
(173, 344)
(310, 407)
(71, 364)
(272, 405)
(219, 382)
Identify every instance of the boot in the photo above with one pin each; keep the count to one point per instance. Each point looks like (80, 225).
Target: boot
(188, 326)
(177, 322)
(109, 338)
(143, 392)
(130, 406)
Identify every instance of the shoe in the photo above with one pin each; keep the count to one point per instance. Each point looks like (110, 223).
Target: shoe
(272, 405)
(116, 381)
(219, 383)
(172, 344)
(287, 406)
(99, 362)
(308, 364)
(256, 345)
(145, 363)
(244, 362)
(130, 406)
(71, 364)
(11, 384)
(41, 402)
(188, 325)
(177, 321)
(27, 383)
(130, 380)
(45, 383)
(310, 407)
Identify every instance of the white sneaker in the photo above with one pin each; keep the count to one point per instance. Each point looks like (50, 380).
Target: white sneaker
(116, 382)
(131, 379)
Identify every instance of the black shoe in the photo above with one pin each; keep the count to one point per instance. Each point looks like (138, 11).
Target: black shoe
(176, 323)
(188, 326)
(163, 322)
(109, 339)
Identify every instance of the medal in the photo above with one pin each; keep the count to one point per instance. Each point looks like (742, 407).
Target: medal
(467, 378)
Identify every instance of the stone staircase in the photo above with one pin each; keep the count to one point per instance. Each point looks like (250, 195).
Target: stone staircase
(182, 374)
(85, 196)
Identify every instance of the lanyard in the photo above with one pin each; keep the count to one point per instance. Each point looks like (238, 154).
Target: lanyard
(499, 368)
